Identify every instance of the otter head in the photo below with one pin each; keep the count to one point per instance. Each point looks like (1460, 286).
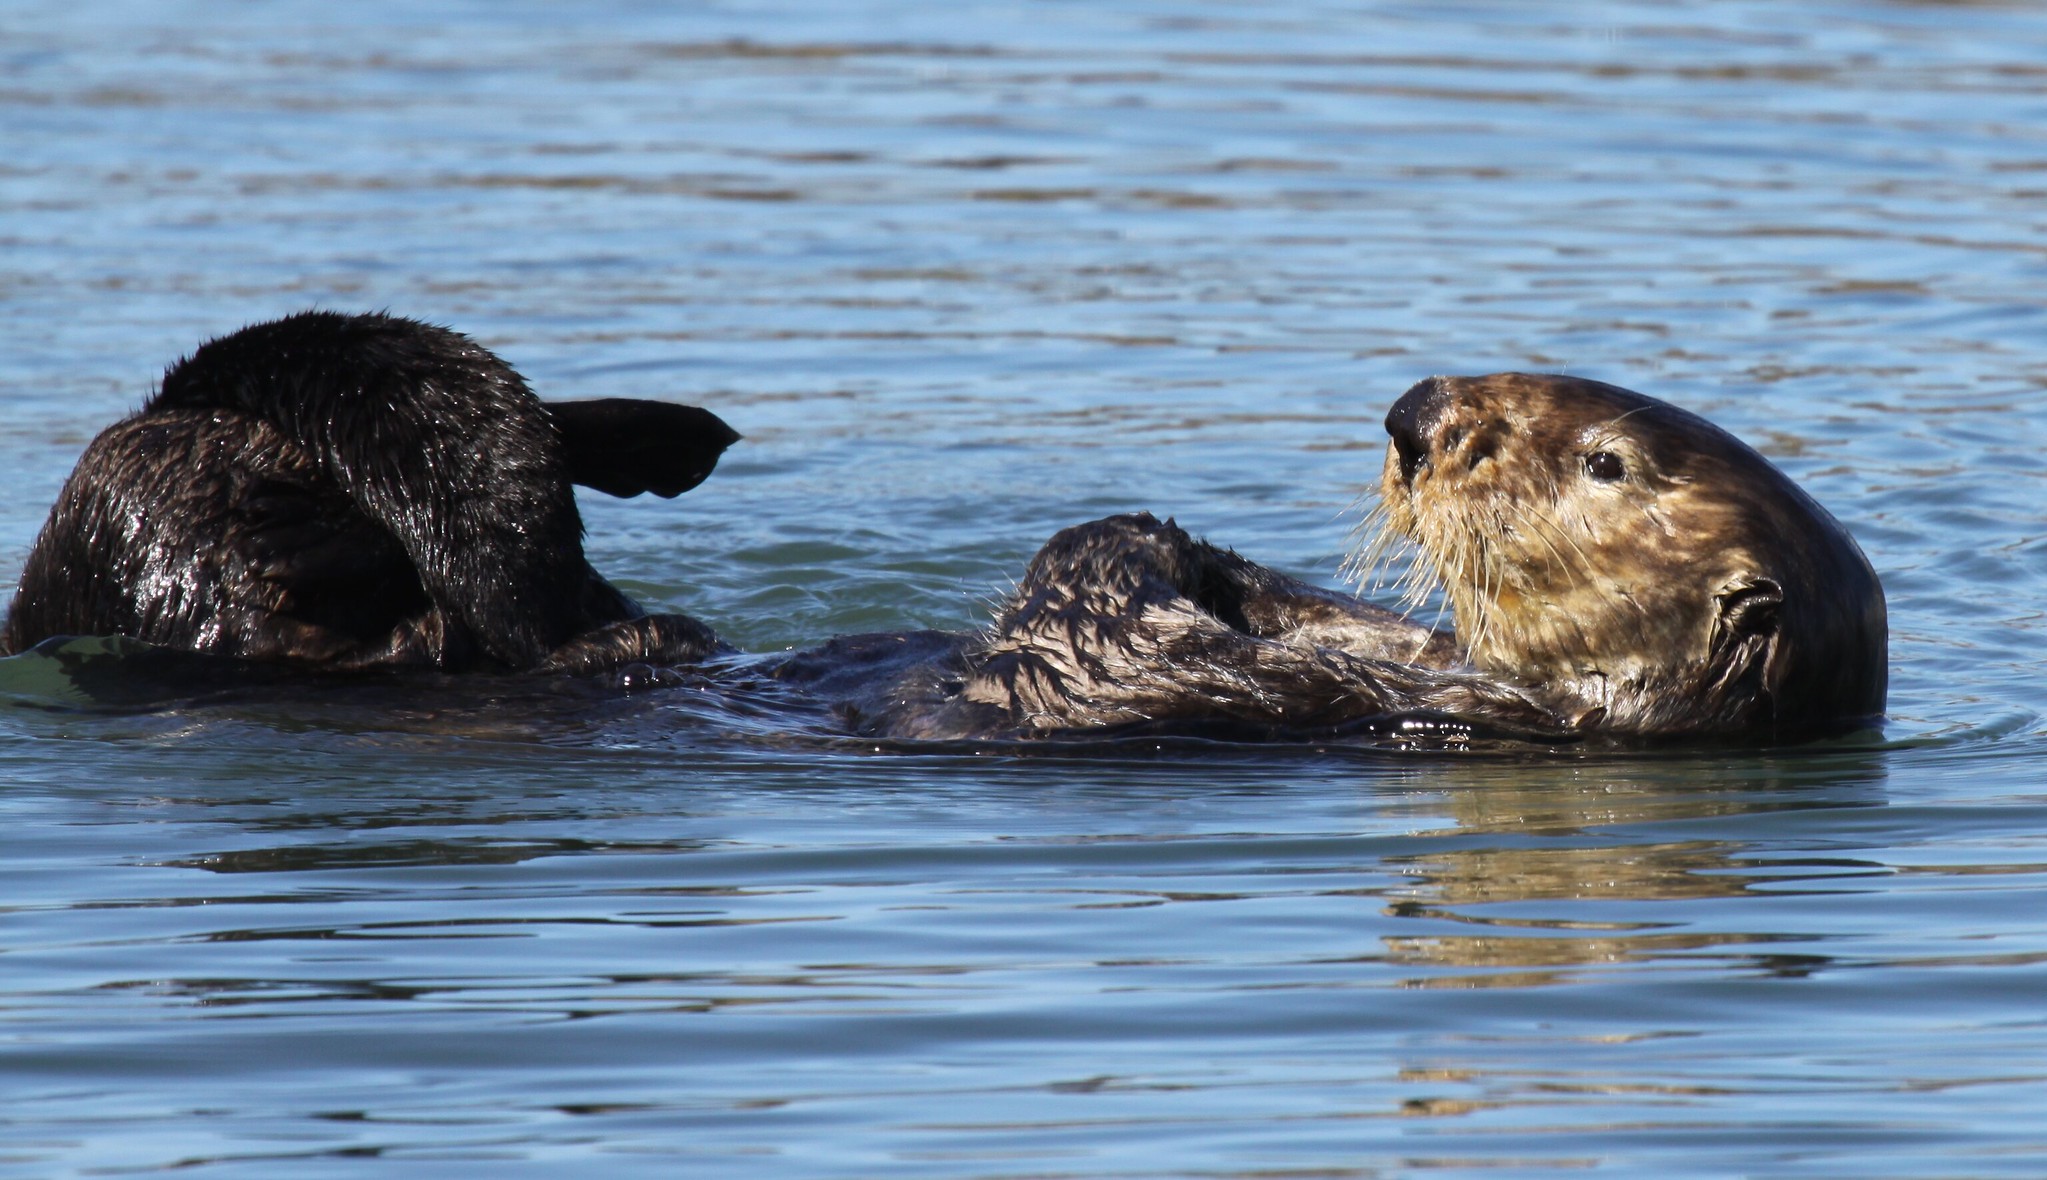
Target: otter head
(1631, 563)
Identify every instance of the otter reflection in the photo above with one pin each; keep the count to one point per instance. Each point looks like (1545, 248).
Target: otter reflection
(343, 492)
(1548, 869)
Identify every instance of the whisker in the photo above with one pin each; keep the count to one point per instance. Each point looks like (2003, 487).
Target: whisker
(1605, 429)
(1538, 521)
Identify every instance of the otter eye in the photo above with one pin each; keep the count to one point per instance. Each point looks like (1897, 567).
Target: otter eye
(1605, 466)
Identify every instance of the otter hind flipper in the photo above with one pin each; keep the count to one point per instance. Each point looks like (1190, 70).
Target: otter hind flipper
(626, 446)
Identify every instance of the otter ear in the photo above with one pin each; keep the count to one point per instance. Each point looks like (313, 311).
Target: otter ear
(1748, 606)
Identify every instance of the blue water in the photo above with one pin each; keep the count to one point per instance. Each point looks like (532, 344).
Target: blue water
(964, 274)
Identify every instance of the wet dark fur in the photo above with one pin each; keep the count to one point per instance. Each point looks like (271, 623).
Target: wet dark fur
(354, 490)
(1128, 624)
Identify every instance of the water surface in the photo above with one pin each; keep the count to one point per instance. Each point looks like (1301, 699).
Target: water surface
(963, 275)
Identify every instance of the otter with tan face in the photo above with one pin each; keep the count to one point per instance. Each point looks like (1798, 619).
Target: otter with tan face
(1616, 567)
(1630, 564)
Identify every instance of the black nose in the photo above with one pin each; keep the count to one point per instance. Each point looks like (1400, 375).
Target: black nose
(1409, 421)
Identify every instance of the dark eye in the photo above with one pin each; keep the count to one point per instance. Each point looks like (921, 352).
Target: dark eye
(1605, 466)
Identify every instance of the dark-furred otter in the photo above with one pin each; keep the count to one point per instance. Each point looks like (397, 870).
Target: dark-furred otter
(359, 490)
(338, 491)
(1615, 565)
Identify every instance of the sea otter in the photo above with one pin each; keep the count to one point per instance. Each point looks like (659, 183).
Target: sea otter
(1630, 564)
(346, 491)
(1615, 566)
(336, 492)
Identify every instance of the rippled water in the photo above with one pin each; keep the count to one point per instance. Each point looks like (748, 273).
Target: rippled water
(964, 274)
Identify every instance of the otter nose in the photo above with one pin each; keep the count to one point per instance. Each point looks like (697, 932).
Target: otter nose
(1408, 422)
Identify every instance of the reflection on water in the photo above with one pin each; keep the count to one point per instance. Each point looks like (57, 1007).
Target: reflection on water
(1559, 886)
(963, 279)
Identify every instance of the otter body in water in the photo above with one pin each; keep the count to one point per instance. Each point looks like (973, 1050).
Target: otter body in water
(359, 490)
(1130, 625)
(1615, 565)
(340, 491)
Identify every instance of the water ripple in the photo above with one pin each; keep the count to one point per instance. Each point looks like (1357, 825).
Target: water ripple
(962, 282)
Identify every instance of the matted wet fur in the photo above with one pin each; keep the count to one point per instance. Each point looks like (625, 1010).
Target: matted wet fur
(1130, 625)
(356, 490)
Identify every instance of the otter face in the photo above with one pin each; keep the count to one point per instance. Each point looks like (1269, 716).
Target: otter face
(1631, 562)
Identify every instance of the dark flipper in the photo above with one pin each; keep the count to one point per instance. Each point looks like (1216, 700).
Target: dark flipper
(623, 446)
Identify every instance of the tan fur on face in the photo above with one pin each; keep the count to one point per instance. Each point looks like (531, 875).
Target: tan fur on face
(1625, 595)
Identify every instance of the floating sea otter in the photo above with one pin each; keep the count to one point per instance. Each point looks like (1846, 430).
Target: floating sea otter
(358, 490)
(1615, 565)
(351, 491)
